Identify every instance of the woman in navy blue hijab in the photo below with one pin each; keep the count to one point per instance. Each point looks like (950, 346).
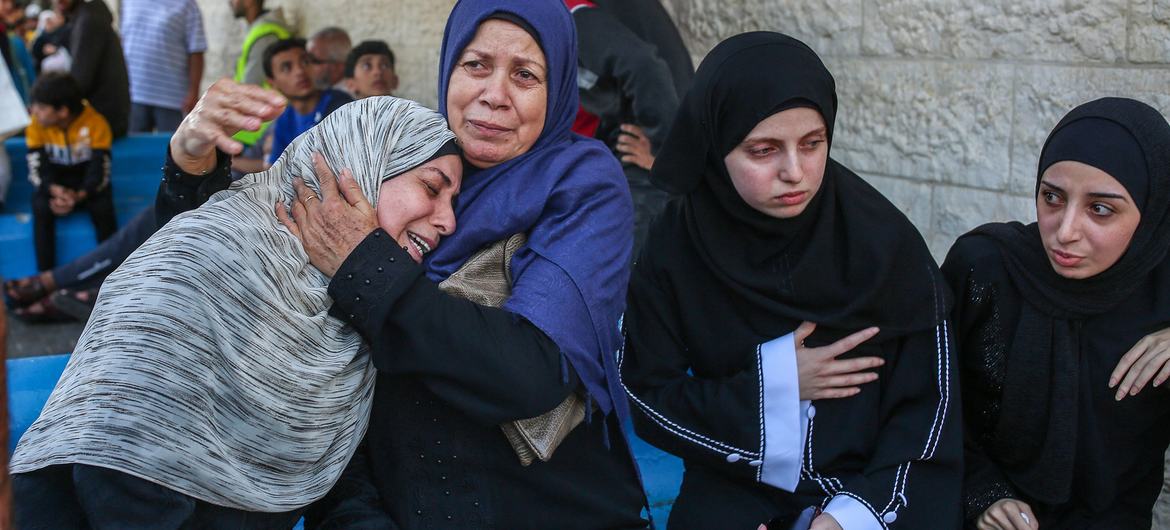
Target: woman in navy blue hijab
(451, 371)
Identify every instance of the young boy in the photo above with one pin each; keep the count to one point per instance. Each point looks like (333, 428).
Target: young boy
(287, 65)
(68, 162)
(369, 70)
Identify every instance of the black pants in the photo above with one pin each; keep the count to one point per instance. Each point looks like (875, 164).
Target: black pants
(80, 496)
(91, 269)
(101, 210)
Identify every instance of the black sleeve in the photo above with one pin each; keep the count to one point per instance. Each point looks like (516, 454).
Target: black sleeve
(39, 174)
(609, 49)
(87, 43)
(977, 332)
(97, 172)
(713, 421)
(181, 191)
(485, 361)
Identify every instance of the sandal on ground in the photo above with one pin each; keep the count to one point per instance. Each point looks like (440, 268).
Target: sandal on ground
(24, 291)
(77, 304)
(41, 311)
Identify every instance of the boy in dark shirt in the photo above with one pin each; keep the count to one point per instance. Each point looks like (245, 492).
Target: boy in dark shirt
(68, 162)
(286, 63)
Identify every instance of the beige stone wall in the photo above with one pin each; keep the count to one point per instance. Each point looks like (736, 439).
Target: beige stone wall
(944, 104)
(413, 28)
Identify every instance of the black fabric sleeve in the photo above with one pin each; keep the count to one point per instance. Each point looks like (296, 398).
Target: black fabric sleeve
(711, 421)
(87, 41)
(977, 331)
(97, 172)
(609, 49)
(181, 191)
(39, 174)
(484, 361)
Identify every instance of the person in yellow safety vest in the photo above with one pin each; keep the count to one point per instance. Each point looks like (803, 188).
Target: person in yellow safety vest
(264, 28)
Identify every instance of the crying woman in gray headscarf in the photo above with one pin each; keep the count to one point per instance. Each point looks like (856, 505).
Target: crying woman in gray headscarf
(211, 367)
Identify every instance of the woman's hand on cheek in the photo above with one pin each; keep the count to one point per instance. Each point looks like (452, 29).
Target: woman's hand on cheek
(331, 225)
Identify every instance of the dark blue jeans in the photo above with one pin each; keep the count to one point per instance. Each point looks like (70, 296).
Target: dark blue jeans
(81, 496)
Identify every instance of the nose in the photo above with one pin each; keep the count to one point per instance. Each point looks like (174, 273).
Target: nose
(790, 170)
(1070, 226)
(495, 94)
(444, 219)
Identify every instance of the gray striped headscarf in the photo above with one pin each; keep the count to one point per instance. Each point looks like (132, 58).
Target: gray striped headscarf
(211, 365)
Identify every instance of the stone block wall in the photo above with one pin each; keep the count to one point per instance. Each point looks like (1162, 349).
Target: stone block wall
(413, 28)
(944, 103)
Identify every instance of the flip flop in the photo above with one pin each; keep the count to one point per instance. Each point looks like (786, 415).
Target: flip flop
(41, 311)
(77, 304)
(24, 291)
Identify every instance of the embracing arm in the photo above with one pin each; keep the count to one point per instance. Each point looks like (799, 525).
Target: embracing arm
(486, 361)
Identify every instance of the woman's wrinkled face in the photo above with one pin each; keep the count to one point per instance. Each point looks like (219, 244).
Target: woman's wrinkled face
(498, 94)
(415, 207)
(778, 167)
(1086, 219)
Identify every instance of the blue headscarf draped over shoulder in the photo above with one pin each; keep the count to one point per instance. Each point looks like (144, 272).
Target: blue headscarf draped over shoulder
(568, 193)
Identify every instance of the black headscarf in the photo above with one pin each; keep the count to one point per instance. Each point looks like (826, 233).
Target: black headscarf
(849, 261)
(1036, 442)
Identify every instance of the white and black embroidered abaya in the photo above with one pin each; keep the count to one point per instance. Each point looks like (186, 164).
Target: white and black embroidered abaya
(710, 363)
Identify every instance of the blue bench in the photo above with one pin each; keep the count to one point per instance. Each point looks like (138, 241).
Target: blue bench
(31, 380)
(136, 170)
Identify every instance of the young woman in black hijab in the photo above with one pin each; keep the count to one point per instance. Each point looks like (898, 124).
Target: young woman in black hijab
(770, 232)
(1044, 314)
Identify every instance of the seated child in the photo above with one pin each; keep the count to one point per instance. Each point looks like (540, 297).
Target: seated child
(369, 70)
(68, 162)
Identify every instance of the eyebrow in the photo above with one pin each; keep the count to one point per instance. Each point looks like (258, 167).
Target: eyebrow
(523, 60)
(750, 139)
(446, 178)
(1095, 194)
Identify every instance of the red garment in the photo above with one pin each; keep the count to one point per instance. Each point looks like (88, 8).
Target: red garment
(586, 123)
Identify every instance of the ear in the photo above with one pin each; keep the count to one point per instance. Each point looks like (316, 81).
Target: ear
(393, 81)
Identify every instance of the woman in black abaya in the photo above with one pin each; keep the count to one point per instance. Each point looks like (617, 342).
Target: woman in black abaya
(774, 260)
(1045, 314)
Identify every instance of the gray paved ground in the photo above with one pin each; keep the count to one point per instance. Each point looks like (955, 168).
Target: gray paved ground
(28, 340)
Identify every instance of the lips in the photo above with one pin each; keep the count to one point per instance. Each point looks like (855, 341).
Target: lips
(420, 245)
(792, 198)
(487, 128)
(1064, 259)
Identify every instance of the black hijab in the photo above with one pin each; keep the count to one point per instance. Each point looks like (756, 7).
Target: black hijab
(849, 261)
(1037, 442)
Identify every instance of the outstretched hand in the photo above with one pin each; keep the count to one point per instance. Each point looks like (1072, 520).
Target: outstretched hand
(823, 376)
(332, 224)
(224, 110)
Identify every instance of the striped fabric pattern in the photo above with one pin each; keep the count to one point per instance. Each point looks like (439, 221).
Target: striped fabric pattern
(211, 365)
(157, 37)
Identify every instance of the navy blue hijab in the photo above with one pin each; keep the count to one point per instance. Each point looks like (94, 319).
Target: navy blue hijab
(568, 193)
